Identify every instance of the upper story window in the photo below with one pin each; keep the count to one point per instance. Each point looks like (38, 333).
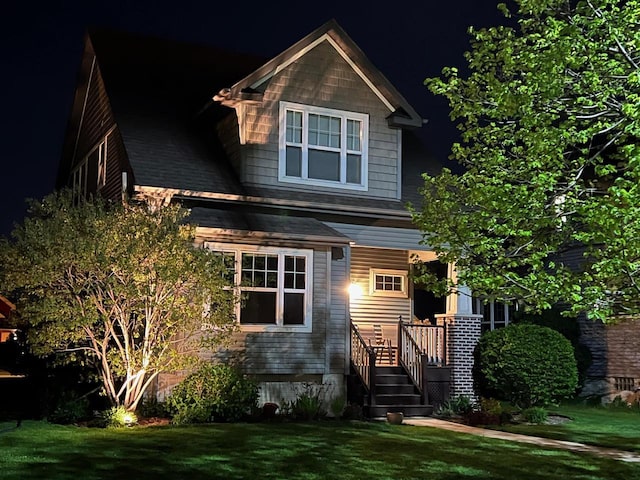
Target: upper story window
(321, 146)
(274, 284)
(90, 175)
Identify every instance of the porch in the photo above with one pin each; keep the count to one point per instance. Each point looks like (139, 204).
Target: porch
(406, 372)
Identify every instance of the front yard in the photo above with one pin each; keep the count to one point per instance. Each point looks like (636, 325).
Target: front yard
(307, 450)
(606, 427)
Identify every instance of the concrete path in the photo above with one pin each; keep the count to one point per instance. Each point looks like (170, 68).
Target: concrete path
(543, 442)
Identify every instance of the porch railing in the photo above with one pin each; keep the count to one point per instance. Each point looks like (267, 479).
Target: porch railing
(419, 346)
(363, 359)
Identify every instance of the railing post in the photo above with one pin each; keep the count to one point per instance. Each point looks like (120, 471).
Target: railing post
(400, 338)
(444, 344)
(424, 378)
(372, 378)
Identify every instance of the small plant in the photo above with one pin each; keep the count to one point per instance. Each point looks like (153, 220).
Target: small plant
(460, 405)
(338, 404)
(118, 417)
(535, 415)
(352, 411)
(490, 406)
(308, 405)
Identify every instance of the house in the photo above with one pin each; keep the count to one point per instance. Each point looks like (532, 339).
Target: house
(297, 168)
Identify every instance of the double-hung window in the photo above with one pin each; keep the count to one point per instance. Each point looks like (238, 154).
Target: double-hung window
(494, 314)
(322, 146)
(274, 284)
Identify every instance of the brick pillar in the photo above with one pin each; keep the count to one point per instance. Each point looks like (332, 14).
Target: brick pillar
(463, 333)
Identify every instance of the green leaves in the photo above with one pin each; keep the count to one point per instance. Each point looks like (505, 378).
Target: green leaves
(122, 283)
(550, 126)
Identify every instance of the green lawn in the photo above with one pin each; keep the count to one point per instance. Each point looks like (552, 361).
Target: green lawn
(314, 450)
(606, 427)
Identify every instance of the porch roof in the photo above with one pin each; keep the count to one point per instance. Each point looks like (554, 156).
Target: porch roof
(255, 225)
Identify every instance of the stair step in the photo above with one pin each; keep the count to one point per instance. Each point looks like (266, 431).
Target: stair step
(411, 399)
(393, 379)
(395, 388)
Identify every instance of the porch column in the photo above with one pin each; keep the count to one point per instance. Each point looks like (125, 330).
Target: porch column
(463, 333)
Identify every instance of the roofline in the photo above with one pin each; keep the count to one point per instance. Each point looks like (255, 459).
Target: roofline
(251, 199)
(348, 50)
(259, 235)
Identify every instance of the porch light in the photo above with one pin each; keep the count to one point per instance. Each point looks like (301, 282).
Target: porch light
(355, 291)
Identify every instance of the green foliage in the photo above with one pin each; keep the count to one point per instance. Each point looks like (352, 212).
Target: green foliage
(151, 407)
(70, 409)
(459, 405)
(549, 115)
(118, 287)
(527, 365)
(535, 415)
(308, 404)
(213, 393)
(119, 417)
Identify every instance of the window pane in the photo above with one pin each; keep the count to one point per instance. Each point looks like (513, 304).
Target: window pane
(300, 264)
(353, 135)
(324, 165)
(354, 169)
(294, 162)
(258, 307)
(289, 280)
(294, 127)
(272, 279)
(293, 309)
(300, 281)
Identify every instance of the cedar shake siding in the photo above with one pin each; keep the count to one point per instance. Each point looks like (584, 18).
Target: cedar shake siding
(321, 78)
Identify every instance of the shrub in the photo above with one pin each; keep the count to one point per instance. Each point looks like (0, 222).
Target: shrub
(213, 393)
(527, 365)
(70, 409)
(118, 417)
(535, 415)
(151, 407)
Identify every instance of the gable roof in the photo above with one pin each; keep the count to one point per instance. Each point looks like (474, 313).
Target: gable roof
(401, 113)
(160, 94)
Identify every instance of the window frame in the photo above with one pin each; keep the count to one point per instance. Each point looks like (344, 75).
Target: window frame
(488, 312)
(80, 181)
(404, 277)
(280, 290)
(345, 116)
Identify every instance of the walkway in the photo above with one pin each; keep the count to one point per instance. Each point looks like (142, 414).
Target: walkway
(543, 442)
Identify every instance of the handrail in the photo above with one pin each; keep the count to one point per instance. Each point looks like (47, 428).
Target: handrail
(410, 356)
(431, 340)
(363, 359)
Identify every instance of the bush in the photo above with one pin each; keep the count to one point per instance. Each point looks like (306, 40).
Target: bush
(118, 417)
(535, 415)
(526, 365)
(213, 393)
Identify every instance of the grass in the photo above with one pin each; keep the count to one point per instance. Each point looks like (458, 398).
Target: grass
(606, 427)
(312, 450)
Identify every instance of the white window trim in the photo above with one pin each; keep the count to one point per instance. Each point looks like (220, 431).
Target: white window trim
(344, 115)
(491, 321)
(373, 272)
(238, 250)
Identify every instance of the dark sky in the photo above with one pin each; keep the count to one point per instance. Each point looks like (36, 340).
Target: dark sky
(41, 41)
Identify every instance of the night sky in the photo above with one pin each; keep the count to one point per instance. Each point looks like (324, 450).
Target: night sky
(41, 41)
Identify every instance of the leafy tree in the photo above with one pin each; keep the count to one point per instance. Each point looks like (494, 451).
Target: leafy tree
(549, 115)
(120, 287)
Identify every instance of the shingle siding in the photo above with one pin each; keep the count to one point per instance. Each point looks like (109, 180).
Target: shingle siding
(321, 78)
